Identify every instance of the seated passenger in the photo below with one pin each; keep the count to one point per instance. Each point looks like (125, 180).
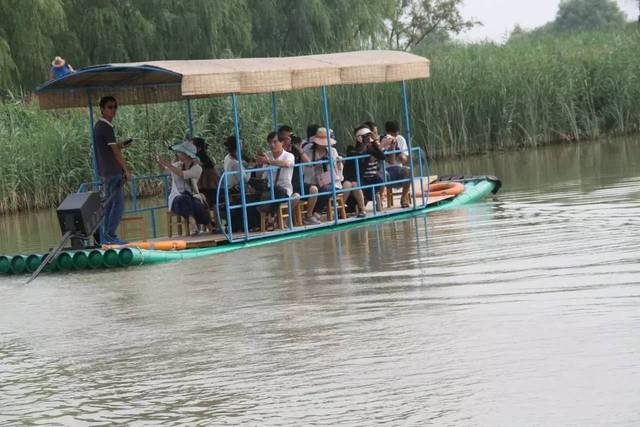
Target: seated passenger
(184, 198)
(208, 182)
(281, 179)
(369, 166)
(311, 131)
(354, 198)
(317, 178)
(295, 148)
(231, 164)
(397, 168)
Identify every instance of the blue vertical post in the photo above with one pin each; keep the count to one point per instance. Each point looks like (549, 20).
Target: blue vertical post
(407, 129)
(236, 125)
(190, 118)
(94, 159)
(274, 111)
(327, 124)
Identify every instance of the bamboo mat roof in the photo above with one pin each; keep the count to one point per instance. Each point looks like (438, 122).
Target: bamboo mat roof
(163, 81)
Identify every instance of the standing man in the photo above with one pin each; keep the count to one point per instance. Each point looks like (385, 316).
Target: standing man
(112, 168)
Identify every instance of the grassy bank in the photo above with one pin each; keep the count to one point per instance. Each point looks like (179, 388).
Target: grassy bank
(528, 92)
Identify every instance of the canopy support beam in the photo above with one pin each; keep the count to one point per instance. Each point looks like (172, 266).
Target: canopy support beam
(94, 158)
(327, 124)
(236, 126)
(274, 110)
(407, 129)
(189, 119)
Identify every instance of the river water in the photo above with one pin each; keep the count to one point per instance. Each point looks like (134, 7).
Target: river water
(520, 310)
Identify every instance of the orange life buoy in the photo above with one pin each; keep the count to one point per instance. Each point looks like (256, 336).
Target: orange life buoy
(447, 188)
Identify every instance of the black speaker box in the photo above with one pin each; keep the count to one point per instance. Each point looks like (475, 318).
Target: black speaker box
(80, 213)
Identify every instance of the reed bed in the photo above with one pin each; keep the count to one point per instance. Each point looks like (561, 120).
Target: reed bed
(482, 97)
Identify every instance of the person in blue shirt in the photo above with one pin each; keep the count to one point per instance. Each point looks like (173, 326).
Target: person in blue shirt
(59, 68)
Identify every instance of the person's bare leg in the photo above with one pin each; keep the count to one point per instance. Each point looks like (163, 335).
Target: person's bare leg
(405, 200)
(311, 201)
(379, 205)
(359, 196)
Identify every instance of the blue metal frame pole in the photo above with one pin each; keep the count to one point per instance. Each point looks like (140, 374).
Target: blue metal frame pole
(94, 159)
(325, 113)
(407, 128)
(236, 125)
(190, 118)
(274, 110)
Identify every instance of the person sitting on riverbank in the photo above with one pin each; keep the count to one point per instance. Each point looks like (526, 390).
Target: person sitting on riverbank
(184, 199)
(318, 177)
(397, 168)
(59, 68)
(280, 180)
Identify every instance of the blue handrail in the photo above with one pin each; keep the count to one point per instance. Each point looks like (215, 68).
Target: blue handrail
(230, 207)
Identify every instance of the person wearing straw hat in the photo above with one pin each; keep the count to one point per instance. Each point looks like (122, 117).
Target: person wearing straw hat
(184, 199)
(59, 68)
(366, 143)
(317, 178)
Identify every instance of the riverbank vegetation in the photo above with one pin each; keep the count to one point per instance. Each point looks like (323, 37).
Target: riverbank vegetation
(534, 89)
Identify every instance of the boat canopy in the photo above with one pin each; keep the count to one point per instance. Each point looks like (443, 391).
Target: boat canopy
(163, 81)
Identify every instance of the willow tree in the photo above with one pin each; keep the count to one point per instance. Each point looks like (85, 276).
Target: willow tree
(287, 27)
(26, 45)
(412, 21)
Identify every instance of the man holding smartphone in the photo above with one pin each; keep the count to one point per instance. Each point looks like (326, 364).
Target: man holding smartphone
(112, 168)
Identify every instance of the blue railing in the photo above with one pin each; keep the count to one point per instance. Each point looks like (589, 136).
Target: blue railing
(229, 206)
(135, 209)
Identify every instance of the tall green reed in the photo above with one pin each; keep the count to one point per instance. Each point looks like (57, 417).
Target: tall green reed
(481, 97)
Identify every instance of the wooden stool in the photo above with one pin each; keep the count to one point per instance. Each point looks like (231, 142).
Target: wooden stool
(342, 211)
(180, 224)
(299, 212)
(282, 214)
(391, 194)
(133, 224)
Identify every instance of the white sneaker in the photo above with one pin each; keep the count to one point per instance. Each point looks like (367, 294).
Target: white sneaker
(311, 220)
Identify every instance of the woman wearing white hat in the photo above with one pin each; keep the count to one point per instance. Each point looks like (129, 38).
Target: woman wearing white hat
(317, 178)
(184, 199)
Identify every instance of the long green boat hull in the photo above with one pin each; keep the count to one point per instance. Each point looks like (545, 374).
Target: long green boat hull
(474, 191)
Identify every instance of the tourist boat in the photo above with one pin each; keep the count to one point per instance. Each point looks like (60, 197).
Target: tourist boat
(166, 81)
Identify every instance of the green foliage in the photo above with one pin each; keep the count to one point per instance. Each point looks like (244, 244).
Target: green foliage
(587, 15)
(483, 97)
(413, 21)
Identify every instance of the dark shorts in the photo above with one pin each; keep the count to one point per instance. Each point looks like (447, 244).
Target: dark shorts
(396, 173)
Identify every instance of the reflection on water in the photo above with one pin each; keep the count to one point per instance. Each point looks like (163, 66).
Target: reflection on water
(522, 309)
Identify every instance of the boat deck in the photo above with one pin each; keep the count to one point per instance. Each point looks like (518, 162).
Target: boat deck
(206, 240)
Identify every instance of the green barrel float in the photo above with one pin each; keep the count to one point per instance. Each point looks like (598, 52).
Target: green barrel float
(80, 260)
(95, 259)
(110, 258)
(130, 256)
(5, 265)
(18, 264)
(64, 261)
(33, 261)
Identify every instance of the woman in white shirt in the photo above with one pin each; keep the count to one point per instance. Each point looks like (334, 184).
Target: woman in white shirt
(231, 164)
(184, 199)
